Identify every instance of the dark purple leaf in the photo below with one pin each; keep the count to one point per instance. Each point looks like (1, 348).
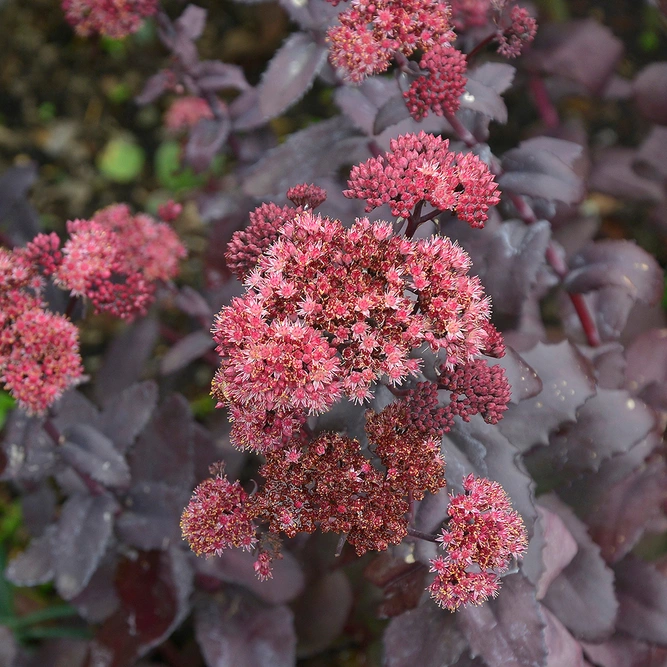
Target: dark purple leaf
(237, 632)
(550, 551)
(513, 259)
(14, 185)
(609, 364)
(583, 51)
(155, 86)
(523, 379)
(622, 651)
(541, 168)
(126, 414)
(9, 648)
(214, 75)
(567, 383)
(425, 636)
(483, 89)
(290, 74)
(650, 88)
(618, 521)
(646, 360)
(186, 350)
(642, 596)
(151, 520)
(616, 263)
(401, 578)
(321, 613)
(649, 161)
(59, 652)
(508, 631)
(318, 150)
(613, 173)
(74, 408)
(245, 112)
(93, 454)
(35, 565)
(192, 22)
(154, 589)
(98, 600)
(38, 508)
(205, 141)
(582, 595)
(361, 104)
(29, 452)
(393, 111)
(124, 361)
(84, 530)
(236, 567)
(562, 648)
(310, 15)
(163, 451)
(191, 302)
(608, 424)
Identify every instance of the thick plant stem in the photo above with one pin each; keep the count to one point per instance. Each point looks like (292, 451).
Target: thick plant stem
(421, 535)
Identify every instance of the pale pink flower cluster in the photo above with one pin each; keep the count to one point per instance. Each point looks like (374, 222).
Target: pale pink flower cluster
(39, 350)
(468, 14)
(329, 311)
(370, 33)
(421, 168)
(482, 536)
(520, 32)
(116, 258)
(112, 18)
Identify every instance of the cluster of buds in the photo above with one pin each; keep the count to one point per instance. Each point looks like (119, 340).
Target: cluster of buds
(112, 18)
(115, 259)
(329, 312)
(481, 538)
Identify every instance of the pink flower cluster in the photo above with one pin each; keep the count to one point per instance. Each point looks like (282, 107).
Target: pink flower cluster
(39, 350)
(113, 18)
(468, 14)
(439, 90)
(247, 245)
(421, 168)
(370, 33)
(116, 258)
(186, 112)
(481, 537)
(329, 311)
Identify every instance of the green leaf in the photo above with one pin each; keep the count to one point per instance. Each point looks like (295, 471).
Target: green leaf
(6, 589)
(121, 160)
(6, 404)
(40, 616)
(170, 172)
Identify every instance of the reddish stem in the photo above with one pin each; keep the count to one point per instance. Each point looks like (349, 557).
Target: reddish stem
(545, 106)
(421, 535)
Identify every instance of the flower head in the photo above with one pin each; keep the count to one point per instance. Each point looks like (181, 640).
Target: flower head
(186, 112)
(113, 18)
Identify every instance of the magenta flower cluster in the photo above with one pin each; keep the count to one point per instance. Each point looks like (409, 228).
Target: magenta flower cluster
(112, 18)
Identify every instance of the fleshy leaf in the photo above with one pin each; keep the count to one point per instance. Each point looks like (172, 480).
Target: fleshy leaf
(35, 565)
(563, 649)
(582, 596)
(98, 600)
(616, 263)
(523, 379)
(214, 75)
(550, 551)
(318, 150)
(567, 383)
(583, 51)
(290, 74)
(163, 451)
(608, 424)
(155, 86)
(206, 140)
(321, 613)
(84, 530)
(650, 88)
(154, 589)
(618, 521)
(642, 596)
(238, 632)
(186, 350)
(425, 636)
(29, 452)
(90, 452)
(541, 168)
(393, 111)
(236, 567)
(192, 22)
(483, 89)
(622, 651)
(124, 361)
(508, 631)
(126, 414)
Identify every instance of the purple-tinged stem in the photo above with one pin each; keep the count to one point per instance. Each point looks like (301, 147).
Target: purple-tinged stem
(421, 535)
(545, 107)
